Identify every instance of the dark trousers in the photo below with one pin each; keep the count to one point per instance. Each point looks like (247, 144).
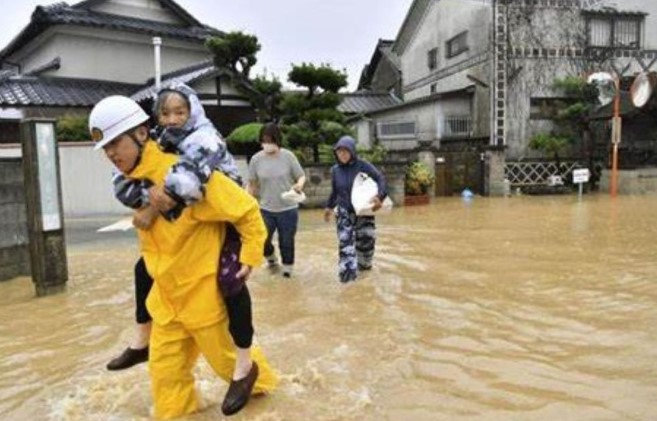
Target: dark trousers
(357, 241)
(236, 298)
(286, 224)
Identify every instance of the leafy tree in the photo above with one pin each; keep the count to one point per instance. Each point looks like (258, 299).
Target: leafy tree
(572, 118)
(266, 97)
(233, 49)
(313, 78)
(72, 128)
(311, 118)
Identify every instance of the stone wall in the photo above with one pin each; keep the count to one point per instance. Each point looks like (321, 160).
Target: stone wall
(14, 240)
(318, 182)
(639, 181)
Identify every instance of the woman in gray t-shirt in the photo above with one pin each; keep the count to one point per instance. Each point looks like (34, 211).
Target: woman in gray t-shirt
(273, 171)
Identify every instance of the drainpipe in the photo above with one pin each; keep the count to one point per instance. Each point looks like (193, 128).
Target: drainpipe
(157, 42)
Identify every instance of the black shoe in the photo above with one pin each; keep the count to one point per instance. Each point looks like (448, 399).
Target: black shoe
(239, 392)
(364, 267)
(128, 358)
(348, 277)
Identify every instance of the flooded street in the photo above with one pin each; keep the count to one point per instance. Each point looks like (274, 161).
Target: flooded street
(524, 308)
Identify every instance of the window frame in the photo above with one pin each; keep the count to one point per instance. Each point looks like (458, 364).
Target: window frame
(450, 51)
(613, 21)
(432, 58)
(381, 136)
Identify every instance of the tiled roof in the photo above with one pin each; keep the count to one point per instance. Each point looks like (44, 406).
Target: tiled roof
(62, 14)
(187, 75)
(24, 91)
(363, 102)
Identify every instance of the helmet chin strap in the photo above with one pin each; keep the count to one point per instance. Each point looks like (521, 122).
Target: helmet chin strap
(140, 148)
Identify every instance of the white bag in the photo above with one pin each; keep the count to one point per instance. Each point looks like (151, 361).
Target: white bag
(293, 196)
(362, 193)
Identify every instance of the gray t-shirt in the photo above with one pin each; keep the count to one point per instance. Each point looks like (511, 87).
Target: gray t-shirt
(275, 174)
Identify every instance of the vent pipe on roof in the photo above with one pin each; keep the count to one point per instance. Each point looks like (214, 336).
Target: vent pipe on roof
(157, 42)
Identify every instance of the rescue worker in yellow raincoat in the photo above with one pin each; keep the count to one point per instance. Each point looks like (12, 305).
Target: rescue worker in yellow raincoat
(183, 257)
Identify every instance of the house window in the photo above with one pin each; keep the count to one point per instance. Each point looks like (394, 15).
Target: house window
(432, 58)
(455, 126)
(617, 31)
(457, 45)
(548, 108)
(433, 88)
(395, 129)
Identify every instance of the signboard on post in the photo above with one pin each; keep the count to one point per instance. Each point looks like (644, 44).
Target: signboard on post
(43, 195)
(616, 130)
(581, 176)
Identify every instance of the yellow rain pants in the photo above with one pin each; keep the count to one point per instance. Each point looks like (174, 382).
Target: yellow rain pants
(189, 318)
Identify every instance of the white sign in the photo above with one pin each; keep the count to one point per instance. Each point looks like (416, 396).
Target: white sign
(48, 187)
(581, 175)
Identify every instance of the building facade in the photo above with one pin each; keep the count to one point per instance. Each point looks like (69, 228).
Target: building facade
(68, 57)
(478, 81)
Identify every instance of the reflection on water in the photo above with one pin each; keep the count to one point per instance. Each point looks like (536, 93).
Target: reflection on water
(498, 309)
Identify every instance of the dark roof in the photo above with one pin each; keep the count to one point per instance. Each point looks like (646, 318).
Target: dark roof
(25, 91)
(61, 14)
(467, 90)
(614, 12)
(384, 48)
(189, 75)
(364, 101)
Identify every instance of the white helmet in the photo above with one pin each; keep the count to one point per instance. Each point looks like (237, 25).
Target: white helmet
(112, 117)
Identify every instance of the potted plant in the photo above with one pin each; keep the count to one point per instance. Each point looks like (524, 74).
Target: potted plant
(416, 184)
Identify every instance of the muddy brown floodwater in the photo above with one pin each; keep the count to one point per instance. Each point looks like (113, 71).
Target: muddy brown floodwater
(524, 308)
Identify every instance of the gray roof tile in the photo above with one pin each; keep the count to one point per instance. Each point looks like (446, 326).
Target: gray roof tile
(362, 102)
(58, 92)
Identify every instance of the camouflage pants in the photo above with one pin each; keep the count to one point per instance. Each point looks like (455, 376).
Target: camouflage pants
(356, 237)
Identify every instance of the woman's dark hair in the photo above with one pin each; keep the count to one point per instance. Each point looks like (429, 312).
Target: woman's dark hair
(271, 130)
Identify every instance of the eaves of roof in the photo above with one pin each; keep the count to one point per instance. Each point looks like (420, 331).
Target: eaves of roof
(468, 90)
(44, 17)
(30, 91)
(189, 75)
(364, 102)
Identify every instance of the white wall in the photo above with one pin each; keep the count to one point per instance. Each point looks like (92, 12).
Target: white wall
(106, 54)
(86, 180)
(443, 20)
(144, 9)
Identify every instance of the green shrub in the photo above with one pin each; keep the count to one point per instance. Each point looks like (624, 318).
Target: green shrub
(247, 133)
(244, 139)
(375, 155)
(418, 179)
(72, 128)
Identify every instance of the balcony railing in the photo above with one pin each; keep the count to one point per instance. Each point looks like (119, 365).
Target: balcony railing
(458, 126)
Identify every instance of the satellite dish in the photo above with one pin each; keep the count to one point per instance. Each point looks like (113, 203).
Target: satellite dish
(641, 89)
(606, 85)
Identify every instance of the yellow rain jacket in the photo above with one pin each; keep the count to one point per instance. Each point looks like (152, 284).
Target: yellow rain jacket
(184, 302)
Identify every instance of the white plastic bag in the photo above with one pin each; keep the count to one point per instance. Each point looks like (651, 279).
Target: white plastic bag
(362, 193)
(293, 196)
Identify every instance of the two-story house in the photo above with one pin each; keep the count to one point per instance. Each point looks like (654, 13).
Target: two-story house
(68, 57)
(478, 77)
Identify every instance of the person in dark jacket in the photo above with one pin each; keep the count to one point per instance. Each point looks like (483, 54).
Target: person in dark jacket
(356, 234)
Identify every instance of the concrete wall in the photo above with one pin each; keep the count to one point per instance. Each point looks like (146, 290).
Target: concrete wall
(14, 240)
(144, 9)
(87, 187)
(443, 20)
(639, 181)
(318, 184)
